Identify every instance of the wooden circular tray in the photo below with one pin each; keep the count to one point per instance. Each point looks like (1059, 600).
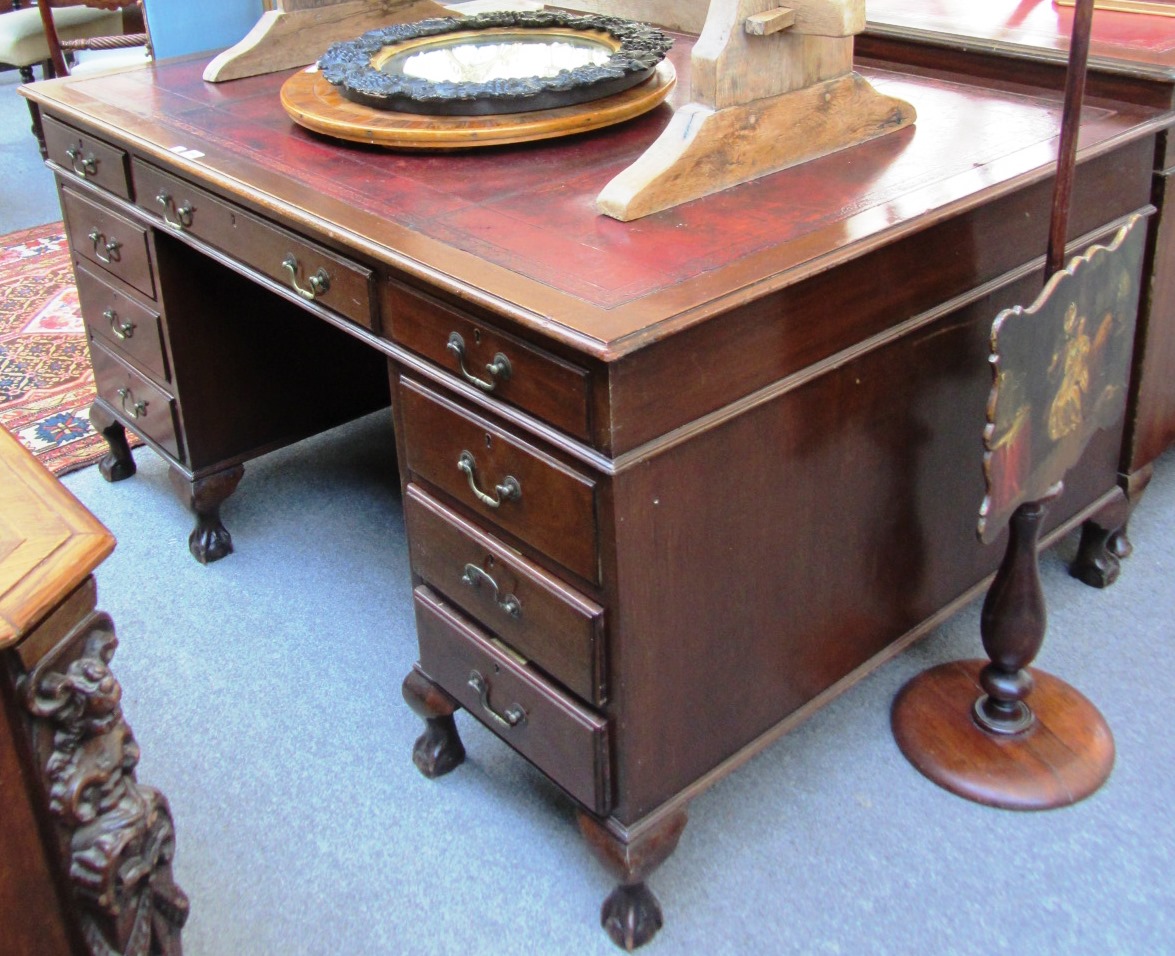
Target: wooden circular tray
(314, 103)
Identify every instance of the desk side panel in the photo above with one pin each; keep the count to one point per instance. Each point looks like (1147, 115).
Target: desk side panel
(799, 540)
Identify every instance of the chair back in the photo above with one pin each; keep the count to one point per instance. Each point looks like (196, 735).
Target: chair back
(60, 48)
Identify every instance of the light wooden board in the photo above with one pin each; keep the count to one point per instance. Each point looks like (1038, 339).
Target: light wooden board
(299, 32)
(703, 151)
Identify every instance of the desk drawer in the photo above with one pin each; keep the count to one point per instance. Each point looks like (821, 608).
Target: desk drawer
(316, 274)
(507, 481)
(87, 158)
(562, 738)
(538, 615)
(122, 323)
(108, 240)
(142, 406)
(512, 370)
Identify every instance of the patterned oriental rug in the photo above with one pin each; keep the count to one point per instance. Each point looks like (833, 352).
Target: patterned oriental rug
(46, 384)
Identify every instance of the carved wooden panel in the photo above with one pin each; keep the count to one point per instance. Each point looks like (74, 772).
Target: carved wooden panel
(117, 835)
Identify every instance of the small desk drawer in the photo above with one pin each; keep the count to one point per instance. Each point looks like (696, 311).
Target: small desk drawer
(122, 323)
(509, 482)
(315, 274)
(562, 738)
(142, 406)
(510, 369)
(108, 240)
(538, 615)
(87, 158)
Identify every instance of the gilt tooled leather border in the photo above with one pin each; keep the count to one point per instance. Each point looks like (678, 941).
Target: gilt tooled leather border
(347, 66)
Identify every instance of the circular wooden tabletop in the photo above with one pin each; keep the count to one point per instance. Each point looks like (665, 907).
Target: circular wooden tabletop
(314, 103)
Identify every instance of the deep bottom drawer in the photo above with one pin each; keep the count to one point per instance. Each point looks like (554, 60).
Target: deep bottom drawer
(562, 738)
(140, 404)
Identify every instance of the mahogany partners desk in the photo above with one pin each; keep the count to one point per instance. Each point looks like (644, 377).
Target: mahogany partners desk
(669, 484)
(1133, 55)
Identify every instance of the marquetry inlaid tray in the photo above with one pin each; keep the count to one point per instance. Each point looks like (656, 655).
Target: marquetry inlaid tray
(314, 103)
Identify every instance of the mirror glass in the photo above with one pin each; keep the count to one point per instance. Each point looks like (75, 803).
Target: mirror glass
(481, 60)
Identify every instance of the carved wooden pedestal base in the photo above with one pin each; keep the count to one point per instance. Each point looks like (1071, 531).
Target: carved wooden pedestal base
(1064, 755)
(996, 731)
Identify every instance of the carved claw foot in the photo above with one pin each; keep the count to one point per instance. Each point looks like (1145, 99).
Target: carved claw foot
(1097, 563)
(209, 540)
(439, 749)
(631, 916)
(117, 464)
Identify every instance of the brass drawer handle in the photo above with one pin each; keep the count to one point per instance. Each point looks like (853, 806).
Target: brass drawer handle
(500, 369)
(473, 576)
(319, 282)
(84, 166)
(508, 490)
(101, 242)
(138, 408)
(179, 219)
(122, 329)
(512, 716)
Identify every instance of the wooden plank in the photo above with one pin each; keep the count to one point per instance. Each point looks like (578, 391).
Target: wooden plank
(769, 21)
(703, 151)
(291, 37)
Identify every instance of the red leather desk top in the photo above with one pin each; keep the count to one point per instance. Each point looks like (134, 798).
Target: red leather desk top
(515, 228)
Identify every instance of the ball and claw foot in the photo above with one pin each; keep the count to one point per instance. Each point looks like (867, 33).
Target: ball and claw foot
(209, 540)
(1098, 562)
(439, 749)
(631, 916)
